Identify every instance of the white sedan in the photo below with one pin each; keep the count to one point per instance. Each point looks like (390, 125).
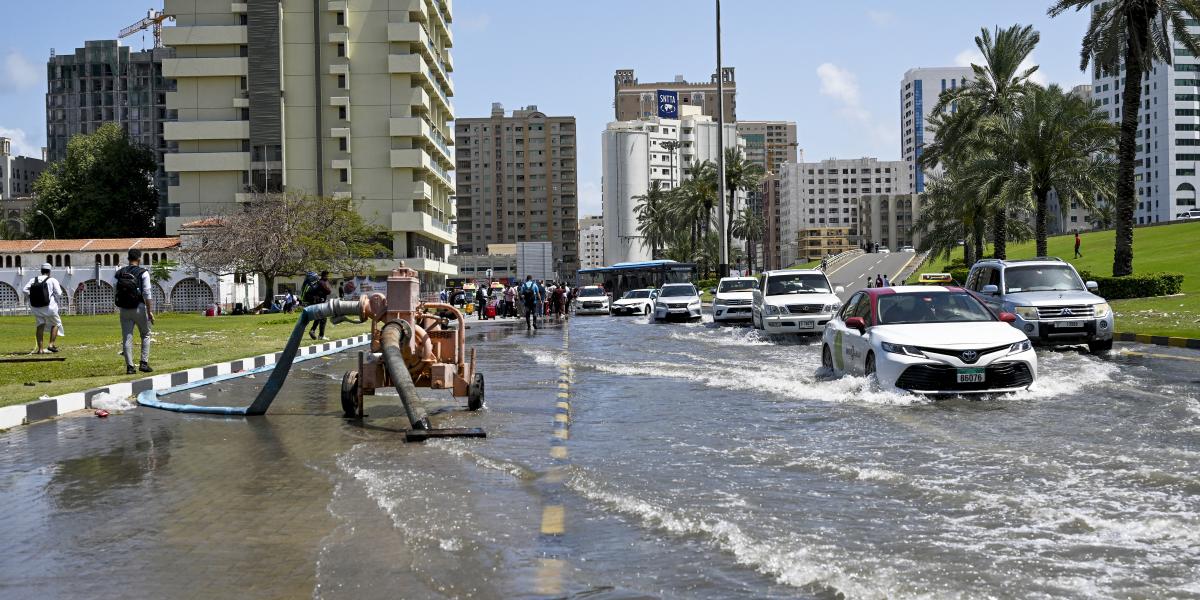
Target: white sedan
(677, 301)
(635, 302)
(928, 340)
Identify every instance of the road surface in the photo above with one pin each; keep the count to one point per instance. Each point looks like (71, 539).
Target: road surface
(853, 273)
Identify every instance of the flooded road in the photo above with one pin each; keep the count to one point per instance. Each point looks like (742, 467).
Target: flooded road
(699, 462)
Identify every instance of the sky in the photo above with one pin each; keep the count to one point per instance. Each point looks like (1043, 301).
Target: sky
(832, 67)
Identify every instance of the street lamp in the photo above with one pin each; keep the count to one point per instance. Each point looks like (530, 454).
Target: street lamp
(53, 232)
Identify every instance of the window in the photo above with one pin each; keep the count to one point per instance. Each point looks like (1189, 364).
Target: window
(342, 113)
(341, 18)
(342, 144)
(341, 49)
(343, 174)
(341, 81)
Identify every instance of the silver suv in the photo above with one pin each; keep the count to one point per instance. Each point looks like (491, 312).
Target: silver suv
(1052, 303)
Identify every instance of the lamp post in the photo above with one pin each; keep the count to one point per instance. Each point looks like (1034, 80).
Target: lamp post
(723, 263)
(53, 232)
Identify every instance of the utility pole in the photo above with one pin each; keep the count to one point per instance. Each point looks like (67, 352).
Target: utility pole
(723, 264)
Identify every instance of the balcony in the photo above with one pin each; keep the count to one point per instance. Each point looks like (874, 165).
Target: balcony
(175, 68)
(416, 66)
(423, 223)
(207, 161)
(427, 265)
(416, 34)
(336, 6)
(209, 35)
(419, 100)
(206, 130)
(422, 191)
(417, 127)
(238, 7)
(416, 158)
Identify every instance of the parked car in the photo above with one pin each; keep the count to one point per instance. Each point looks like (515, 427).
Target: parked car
(677, 301)
(928, 340)
(908, 249)
(733, 298)
(1188, 215)
(635, 302)
(794, 301)
(1052, 303)
(592, 300)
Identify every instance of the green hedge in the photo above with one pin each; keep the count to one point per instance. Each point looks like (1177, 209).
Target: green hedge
(1135, 286)
(705, 284)
(959, 274)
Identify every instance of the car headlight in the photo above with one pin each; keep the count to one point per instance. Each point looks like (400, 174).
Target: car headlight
(832, 307)
(695, 302)
(902, 349)
(1029, 313)
(771, 309)
(1102, 310)
(718, 302)
(1020, 346)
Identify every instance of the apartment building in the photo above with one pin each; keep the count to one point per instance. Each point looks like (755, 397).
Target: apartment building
(826, 194)
(17, 174)
(591, 242)
(919, 91)
(105, 82)
(769, 249)
(517, 182)
(637, 153)
(635, 100)
(888, 220)
(341, 98)
(770, 144)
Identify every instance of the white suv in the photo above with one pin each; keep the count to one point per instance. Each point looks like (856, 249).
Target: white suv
(733, 298)
(795, 301)
(677, 301)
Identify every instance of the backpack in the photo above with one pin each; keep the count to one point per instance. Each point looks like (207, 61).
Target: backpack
(309, 286)
(129, 287)
(527, 291)
(39, 293)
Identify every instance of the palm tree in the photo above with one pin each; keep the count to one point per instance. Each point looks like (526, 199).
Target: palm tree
(995, 90)
(1052, 141)
(951, 213)
(748, 225)
(692, 205)
(1103, 215)
(654, 217)
(1129, 36)
(740, 174)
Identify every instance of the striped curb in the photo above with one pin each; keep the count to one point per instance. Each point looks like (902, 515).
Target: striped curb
(40, 410)
(1157, 340)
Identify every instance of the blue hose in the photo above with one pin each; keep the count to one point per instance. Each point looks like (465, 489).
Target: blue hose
(279, 371)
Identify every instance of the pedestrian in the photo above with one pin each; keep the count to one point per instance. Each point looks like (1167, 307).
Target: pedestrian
(341, 290)
(559, 301)
(289, 302)
(870, 282)
(886, 282)
(136, 300)
(316, 294)
(879, 281)
(544, 298)
(43, 292)
(1077, 253)
(480, 303)
(442, 296)
(824, 262)
(510, 292)
(531, 297)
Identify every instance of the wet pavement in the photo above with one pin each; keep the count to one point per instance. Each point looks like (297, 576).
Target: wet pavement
(701, 462)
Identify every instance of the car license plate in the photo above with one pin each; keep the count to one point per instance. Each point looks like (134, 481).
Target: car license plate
(1068, 324)
(970, 375)
(808, 324)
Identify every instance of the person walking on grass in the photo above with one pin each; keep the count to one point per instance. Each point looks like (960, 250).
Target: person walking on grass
(1077, 253)
(43, 292)
(136, 300)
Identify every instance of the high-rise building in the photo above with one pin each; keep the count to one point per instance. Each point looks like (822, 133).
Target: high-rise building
(1075, 217)
(1168, 136)
(769, 144)
(516, 179)
(888, 219)
(105, 82)
(919, 91)
(770, 191)
(825, 194)
(636, 153)
(340, 98)
(634, 100)
(591, 242)
(17, 173)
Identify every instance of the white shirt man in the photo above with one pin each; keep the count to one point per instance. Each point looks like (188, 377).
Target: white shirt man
(46, 315)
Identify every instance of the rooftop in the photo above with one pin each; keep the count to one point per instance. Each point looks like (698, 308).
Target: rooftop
(93, 245)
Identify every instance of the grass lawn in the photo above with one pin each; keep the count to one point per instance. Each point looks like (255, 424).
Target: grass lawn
(93, 343)
(1168, 248)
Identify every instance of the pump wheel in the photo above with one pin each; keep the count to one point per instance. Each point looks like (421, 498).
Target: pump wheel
(350, 394)
(475, 393)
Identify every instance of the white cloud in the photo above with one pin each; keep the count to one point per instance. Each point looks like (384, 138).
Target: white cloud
(881, 18)
(21, 144)
(19, 73)
(973, 56)
(842, 85)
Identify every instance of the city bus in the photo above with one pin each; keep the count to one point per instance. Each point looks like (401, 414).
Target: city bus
(622, 277)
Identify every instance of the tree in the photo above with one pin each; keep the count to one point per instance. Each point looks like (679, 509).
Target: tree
(282, 235)
(654, 217)
(748, 225)
(1103, 215)
(740, 174)
(951, 214)
(103, 188)
(1129, 36)
(693, 202)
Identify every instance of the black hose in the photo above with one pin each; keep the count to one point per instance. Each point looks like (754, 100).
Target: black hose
(395, 334)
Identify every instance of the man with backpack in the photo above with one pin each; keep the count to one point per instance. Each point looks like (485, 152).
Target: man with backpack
(42, 292)
(136, 300)
(531, 297)
(316, 293)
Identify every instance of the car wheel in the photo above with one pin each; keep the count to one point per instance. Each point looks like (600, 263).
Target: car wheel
(646, 311)
(826, 357)
(350, 394)
(869, 368)
(754, 321)
(475, 393)
(1100, 346)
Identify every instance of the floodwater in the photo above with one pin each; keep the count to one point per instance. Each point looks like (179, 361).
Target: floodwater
(701, 462)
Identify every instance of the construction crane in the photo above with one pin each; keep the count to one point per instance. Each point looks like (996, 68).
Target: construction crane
(153, 21)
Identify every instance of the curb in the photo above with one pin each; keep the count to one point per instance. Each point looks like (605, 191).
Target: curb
(40, 410)
(1157, 340)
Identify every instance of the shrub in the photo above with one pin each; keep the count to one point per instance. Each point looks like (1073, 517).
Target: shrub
(959, 273)
(707, 284)
(1135, 286)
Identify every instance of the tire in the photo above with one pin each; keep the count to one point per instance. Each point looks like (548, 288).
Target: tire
(646, 311)
(475, 393)
(826, 357)
(350, 394)
(1100, 346)
(869, 366)
(755, 322)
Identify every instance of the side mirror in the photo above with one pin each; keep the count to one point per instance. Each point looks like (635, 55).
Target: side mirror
(1008, 317)
(839, 290)
(990, 289)
(1092, 286)
(857, 323)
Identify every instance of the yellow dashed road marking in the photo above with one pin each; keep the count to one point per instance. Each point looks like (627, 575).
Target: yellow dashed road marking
(559, 452)
(549, 576)
(552, 520)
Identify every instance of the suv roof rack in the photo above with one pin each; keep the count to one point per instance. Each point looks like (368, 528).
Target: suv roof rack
(1038, 259)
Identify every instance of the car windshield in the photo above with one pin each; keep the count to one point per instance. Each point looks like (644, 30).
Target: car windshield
(737, 285)
(1041, 278)
(591, 291)
(800, 283)
(675, 291)
(636, 294)
(931, 307)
